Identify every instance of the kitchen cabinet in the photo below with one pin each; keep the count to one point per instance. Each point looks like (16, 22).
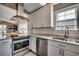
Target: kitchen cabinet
(6, 47)
(53, 51)
(47, 16)
(42, 17)
(56, 48)
(39, 18)
(69, 53)
(32, 44)
(4, 50)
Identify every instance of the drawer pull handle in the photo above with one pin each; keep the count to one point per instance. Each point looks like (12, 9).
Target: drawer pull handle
(61, 45)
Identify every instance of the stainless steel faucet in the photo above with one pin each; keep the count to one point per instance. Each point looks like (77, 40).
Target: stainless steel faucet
(66, 32)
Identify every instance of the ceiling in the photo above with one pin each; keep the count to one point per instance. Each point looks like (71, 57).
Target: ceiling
(30, 7)
(10, 5)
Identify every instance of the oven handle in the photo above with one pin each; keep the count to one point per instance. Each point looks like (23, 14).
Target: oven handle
(20, 40)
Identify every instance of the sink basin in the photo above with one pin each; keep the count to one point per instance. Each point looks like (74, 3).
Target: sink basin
(63, 39)
(71, 40)
(77, 41)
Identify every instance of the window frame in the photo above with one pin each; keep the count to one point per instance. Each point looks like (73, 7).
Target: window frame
(21, 33)
(65, 9)
(2, 29)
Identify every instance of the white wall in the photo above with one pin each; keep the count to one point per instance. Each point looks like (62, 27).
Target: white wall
(6, 13)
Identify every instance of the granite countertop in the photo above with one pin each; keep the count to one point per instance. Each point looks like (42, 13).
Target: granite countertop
(50, 37)
(14, 38)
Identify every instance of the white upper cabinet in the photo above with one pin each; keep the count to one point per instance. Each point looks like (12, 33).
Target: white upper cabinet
(42, 17)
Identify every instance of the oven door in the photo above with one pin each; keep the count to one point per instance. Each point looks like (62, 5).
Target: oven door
(25, 43)
(17, 46)
(20, 45)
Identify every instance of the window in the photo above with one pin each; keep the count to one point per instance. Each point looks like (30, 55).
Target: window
(2, 30)
(66, 18)
(22, 28)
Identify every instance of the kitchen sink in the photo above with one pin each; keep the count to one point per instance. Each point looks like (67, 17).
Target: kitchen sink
(63, 39)
(77, 41)
(67, 39)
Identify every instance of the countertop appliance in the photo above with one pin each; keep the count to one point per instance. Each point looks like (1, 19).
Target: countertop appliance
(20, 44)
(41, 46)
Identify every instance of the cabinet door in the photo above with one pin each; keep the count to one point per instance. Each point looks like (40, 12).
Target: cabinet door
(46, 15)
(5, 49)
(69, 53)
(42, 17)
(53, 51)
(33, 19)
(39, 15)
(30, 20)
(32, 43)
(38, 19)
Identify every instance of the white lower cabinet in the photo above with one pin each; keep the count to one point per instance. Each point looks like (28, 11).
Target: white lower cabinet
(6, 47)
(32, 44)
(69, 53)
(53, 51)
(5, 50)
(62, 49)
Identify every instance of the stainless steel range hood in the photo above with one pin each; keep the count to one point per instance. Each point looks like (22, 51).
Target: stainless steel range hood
(20, 13)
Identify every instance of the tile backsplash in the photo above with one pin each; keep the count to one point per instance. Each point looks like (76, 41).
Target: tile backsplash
(43, 30)
(51, 31)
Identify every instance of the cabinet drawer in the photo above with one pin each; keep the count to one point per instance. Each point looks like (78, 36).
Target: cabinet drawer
(32, 43)
(66, 46)
(53, 51)
(57, 44)
(69, 53)
(5, 41)
(73, 48)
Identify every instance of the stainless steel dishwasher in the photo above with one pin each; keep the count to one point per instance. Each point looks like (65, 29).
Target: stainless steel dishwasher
(41, 46)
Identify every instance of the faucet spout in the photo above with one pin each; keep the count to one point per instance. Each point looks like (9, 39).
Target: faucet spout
(66, 32)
